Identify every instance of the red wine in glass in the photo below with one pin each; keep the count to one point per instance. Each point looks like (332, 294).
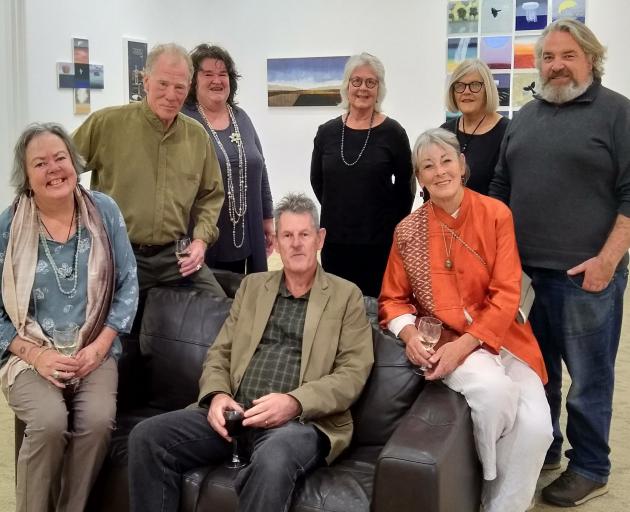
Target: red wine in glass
(234, 423)
(234, 427)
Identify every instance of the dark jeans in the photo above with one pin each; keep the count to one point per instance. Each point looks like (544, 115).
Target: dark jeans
(163, 448)
(582, 329)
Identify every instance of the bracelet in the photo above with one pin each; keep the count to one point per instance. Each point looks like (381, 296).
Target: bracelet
(44, 349)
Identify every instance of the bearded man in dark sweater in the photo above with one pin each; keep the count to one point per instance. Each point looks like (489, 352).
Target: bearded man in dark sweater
(564, 170)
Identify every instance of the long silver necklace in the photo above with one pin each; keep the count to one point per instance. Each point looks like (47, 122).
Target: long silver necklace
(63, 273)
(343, 129)
(237, 207)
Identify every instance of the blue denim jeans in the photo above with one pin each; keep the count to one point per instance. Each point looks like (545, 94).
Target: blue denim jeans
(582, 329)
(164, 447)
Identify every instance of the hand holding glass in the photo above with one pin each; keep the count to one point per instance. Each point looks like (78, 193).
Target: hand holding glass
(430, 329)
(182, 248)
(66, 340)
(234, 426)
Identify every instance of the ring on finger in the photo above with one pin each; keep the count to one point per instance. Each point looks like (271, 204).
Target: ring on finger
(55, 375)
(198, 267)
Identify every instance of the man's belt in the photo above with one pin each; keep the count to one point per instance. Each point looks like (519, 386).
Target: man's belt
(150, 250)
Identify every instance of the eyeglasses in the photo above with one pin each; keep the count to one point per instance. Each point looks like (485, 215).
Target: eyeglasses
(370, 83)
(460, 87)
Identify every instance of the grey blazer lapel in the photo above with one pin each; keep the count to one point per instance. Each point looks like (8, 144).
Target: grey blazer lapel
(318, 299)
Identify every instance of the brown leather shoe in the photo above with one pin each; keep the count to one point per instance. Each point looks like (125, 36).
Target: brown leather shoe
(571, 489)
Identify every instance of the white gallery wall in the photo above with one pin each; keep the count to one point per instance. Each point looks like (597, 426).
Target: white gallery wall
(408, 35)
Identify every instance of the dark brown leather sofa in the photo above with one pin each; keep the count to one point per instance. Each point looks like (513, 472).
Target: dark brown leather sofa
(412, 447)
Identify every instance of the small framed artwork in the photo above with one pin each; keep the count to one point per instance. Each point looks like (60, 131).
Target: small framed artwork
(305, 81)
(134, 61)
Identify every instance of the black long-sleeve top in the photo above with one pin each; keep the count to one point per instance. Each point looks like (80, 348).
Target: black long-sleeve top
(361, 204)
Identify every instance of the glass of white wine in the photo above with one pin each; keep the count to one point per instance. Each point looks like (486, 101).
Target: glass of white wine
(430, 329)
(66, 340)
(182, 248)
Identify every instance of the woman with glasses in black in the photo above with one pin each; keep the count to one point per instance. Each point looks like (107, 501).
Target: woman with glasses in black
(361, 174)
(479, 129)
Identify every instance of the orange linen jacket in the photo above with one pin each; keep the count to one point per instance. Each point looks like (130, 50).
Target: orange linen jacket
(490, 293)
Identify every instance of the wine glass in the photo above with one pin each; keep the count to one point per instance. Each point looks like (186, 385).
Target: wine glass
(66, 340)
(182, 248)
(430, 329)
(234, 426)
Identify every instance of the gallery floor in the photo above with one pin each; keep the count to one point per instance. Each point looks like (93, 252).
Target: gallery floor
(617, 500)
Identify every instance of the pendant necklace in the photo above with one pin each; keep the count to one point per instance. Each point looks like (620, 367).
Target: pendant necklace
(343, 129)
(64, 272)
(237, 206)
(469, 136)
(448, 263)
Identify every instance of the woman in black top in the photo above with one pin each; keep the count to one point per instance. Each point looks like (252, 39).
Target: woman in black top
(473, 92)
(361, 174)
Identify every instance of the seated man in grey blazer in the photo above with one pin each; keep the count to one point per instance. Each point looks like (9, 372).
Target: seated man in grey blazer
(296, 350)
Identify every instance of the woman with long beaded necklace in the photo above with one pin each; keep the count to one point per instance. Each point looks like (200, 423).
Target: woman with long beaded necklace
(246, 220)
(67, 268)
(361, 175)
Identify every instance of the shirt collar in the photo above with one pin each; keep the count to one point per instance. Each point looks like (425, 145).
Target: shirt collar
(284, 291)
(155, 120)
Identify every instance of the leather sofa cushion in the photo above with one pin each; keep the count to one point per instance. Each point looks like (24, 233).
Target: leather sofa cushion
(390, 391)
(178, 326)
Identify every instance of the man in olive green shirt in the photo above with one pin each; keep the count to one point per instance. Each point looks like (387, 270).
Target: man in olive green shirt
(162, 171)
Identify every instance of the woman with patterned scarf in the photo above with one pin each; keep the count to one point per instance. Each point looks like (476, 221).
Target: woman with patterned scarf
(455, 258)
(66, 263)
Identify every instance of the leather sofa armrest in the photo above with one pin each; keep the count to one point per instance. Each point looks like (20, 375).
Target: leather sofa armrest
(430, 461)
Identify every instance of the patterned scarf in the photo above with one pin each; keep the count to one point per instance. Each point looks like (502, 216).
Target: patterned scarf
(412, 238)
(18, 277)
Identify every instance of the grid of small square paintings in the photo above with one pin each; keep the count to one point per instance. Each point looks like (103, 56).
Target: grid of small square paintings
(503, 34)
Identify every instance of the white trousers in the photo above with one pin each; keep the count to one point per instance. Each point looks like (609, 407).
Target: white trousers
(511, 425)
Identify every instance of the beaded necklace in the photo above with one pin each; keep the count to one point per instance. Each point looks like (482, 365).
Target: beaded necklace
(343, 129)
(236, 208)
(60, 272)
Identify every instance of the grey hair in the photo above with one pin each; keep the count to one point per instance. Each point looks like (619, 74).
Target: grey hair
(172, 49)
(583, 36)
(19, 176)
(363, 59)
(490, 87)
(441, 137)
(296, 203)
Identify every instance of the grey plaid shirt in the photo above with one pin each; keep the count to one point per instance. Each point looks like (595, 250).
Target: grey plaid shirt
(275, 366)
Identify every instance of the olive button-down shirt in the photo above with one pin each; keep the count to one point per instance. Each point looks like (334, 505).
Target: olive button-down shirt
(162, 179)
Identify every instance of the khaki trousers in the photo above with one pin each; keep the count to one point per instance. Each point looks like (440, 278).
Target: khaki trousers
(162, 269)
(61, 455)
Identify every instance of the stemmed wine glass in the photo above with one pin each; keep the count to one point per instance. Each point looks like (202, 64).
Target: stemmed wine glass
(66, 340)
(234, 426)
(182, 247)
(430, 329)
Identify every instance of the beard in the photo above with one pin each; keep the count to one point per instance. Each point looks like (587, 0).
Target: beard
(559, 94)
